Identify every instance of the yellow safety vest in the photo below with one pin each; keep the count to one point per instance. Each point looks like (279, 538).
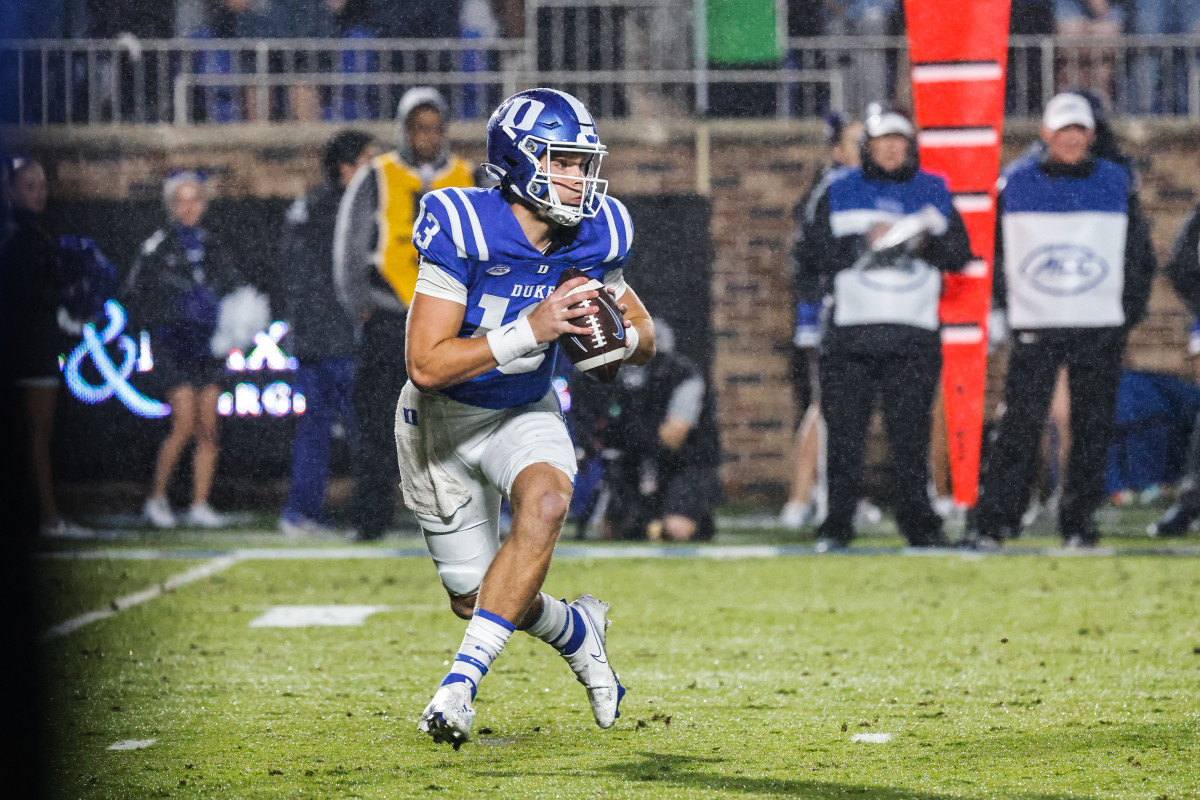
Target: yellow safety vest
(400, 192)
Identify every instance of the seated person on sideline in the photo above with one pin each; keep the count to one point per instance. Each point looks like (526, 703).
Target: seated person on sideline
(656, 426)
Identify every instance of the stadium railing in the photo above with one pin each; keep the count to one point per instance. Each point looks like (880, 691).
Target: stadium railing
(226, 81)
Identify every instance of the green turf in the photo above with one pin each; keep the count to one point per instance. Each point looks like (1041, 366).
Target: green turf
(67, 588)
(996, 677)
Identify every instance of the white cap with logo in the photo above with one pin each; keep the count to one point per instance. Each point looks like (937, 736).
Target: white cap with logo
(883, 122)
(1068, 109)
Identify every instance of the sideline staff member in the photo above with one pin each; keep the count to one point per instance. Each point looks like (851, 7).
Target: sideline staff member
(1073, 269)
(375, 270)
(880, 236)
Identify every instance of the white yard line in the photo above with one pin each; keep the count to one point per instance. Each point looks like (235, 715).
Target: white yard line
(205, 570)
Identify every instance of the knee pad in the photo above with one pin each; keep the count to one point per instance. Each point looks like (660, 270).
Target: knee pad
(462, 547)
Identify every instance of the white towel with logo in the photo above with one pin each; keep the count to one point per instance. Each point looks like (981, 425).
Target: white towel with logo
(427, 486)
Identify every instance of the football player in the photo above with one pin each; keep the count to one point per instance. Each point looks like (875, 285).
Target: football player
(478, 420)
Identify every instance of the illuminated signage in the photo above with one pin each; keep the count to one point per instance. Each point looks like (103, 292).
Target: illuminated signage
(276, 399)
(115, 378)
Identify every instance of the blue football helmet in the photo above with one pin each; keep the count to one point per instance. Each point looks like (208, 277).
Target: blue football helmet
(526, 134)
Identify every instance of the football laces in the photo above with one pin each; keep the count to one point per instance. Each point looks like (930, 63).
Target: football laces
(597, 331)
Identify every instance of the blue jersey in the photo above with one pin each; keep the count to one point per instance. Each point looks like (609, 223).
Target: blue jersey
(473, 237)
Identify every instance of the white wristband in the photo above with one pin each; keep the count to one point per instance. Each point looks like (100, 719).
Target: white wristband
(512, 341)
(631, 333)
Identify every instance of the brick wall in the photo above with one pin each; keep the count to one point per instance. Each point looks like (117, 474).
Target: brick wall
(753, 173)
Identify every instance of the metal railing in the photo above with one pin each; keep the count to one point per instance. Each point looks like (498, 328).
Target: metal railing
(615, 68)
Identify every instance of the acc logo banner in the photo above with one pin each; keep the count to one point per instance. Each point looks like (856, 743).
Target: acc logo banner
(1063, 270)
(902, 276)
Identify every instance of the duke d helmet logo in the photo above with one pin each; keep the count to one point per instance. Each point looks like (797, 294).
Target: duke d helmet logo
(1063, 270)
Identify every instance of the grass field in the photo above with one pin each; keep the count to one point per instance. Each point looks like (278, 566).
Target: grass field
(1027, 676)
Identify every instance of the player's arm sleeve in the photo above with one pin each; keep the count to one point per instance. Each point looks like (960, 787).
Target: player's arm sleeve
(622, 227)
(615, 279)
(436, 281)
(1183, 269)
(354, 242)
(1140, 264)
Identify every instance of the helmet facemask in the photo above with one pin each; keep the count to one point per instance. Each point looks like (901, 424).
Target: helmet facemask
(541, 190)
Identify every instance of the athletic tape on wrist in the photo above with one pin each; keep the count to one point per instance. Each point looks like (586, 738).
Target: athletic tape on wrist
(512, 341)
(632, 334)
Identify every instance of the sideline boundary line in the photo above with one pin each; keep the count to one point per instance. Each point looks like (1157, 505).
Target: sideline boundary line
(206, 570)
(603, 552)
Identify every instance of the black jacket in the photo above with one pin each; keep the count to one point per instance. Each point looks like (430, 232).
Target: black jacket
(176, 300)
(625, 415)
(1183, 270)
(320, 327)
(28, 298)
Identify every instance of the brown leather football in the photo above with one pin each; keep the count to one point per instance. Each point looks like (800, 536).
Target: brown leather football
(599, 354)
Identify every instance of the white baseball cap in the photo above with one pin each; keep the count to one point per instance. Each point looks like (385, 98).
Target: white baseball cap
(1066, 109)
(883, 122)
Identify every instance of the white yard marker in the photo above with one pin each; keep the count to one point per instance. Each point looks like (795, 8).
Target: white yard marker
(313, 616)
(174, 582)
(131, 744)
(872, 738)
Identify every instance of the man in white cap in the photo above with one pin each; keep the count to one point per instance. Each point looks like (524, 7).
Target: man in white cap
(1073, 269)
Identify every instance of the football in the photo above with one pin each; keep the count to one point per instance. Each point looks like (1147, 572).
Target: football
(598, 355)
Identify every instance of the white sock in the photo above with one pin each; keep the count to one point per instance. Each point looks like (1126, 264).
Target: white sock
(486, 635)
(559, 625)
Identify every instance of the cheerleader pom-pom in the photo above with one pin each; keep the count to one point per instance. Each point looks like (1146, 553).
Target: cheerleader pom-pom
(243, 313)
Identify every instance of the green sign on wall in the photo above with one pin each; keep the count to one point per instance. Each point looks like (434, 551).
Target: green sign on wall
(741, 32)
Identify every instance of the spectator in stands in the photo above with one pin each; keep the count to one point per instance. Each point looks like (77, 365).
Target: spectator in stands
(229, 19)
(1160, 79)
(174, 289)
(353, 19)
(868, 74)
(1027, 18)
(128, 21)
(375, 269)
(842, 140)
(881, 235)
(29, 293)
(322, 19)
(1073, 268)
(1089, 65)
(655, 427)
(418, 19)
(1183, 270)
(322, 334)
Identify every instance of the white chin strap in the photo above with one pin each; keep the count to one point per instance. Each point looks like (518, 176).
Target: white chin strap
(560, 212)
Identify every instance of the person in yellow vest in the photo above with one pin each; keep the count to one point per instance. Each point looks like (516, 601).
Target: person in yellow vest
(375, 270)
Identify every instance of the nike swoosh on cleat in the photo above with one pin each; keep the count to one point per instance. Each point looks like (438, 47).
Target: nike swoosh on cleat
(595, 656)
